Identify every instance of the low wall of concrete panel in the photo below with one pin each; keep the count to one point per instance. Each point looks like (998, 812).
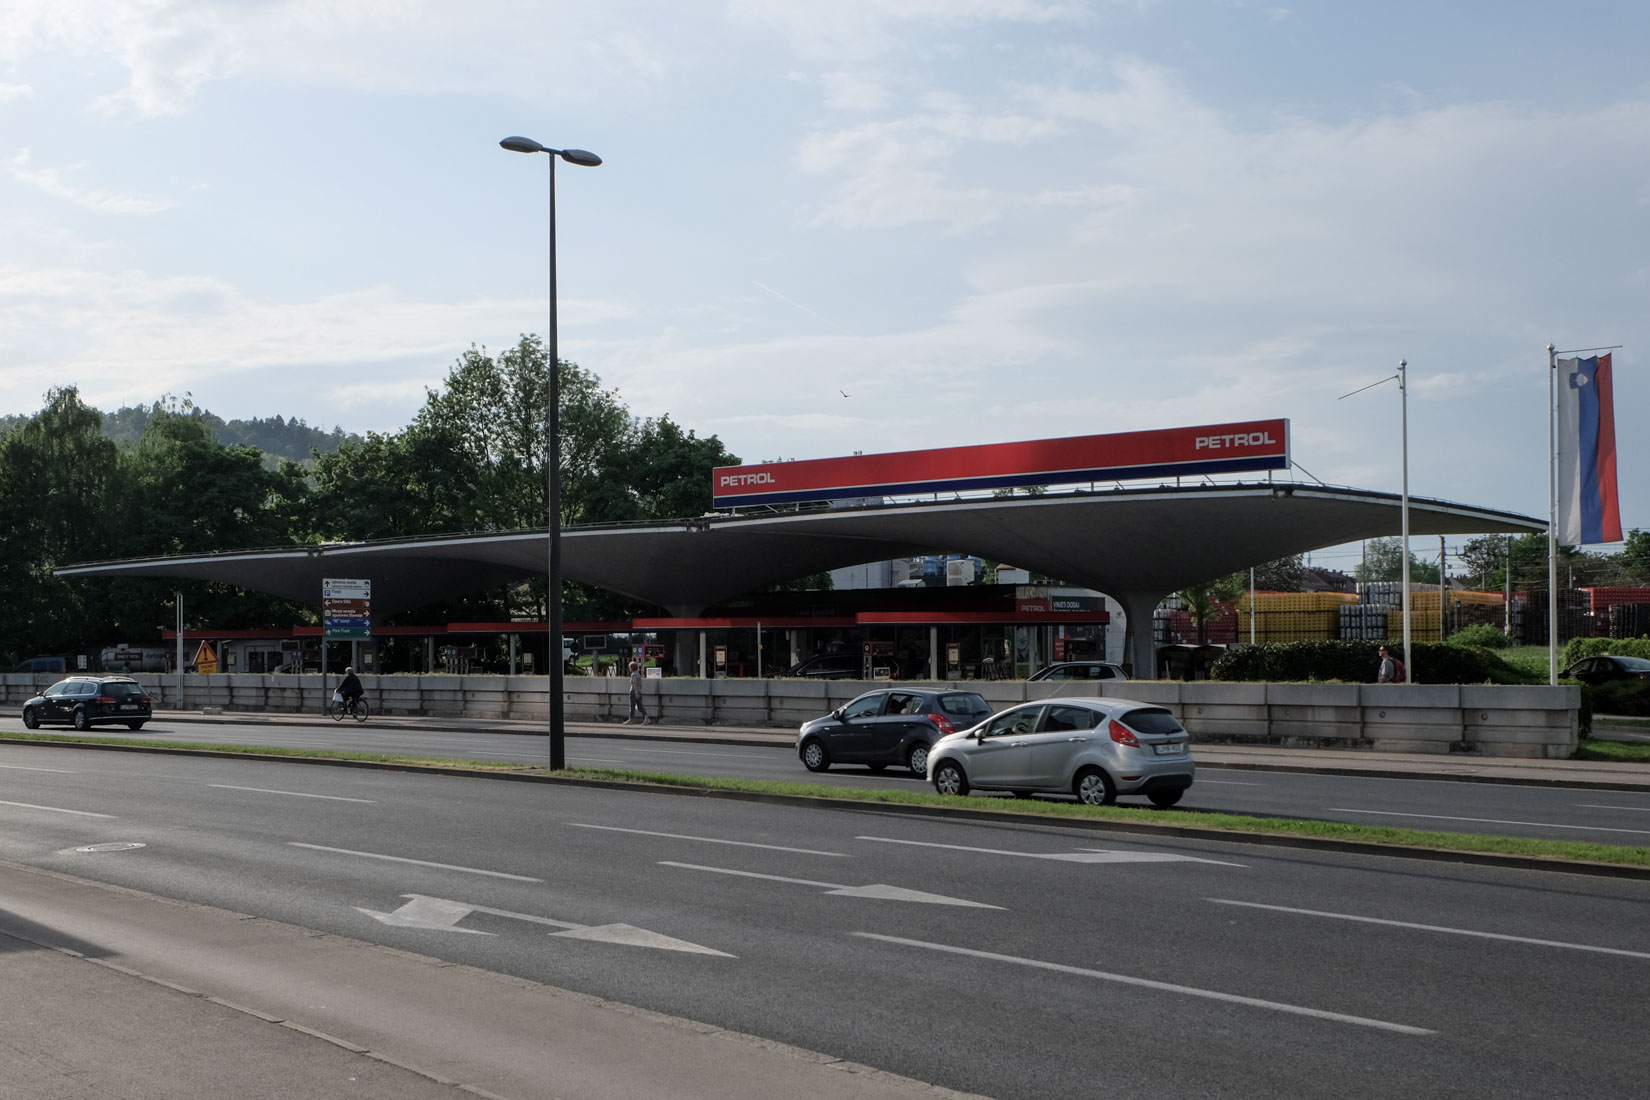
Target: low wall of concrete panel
(1528, 721)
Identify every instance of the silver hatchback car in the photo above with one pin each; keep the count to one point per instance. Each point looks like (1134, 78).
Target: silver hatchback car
(1095, 749)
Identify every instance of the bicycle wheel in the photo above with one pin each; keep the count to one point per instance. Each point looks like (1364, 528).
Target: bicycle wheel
(335, 711)
(360, 710)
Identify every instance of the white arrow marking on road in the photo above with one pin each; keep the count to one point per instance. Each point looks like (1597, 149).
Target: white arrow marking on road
(440, 914)
(431, 913)
(1082, 855)
(876, 890)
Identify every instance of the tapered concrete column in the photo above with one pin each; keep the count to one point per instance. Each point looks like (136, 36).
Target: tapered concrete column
(1142, 649)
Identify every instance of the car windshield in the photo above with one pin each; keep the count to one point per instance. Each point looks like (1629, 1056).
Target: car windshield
(1151, 720)
(966, 702)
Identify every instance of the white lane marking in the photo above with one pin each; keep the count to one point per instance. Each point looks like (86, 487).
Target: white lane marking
(56, 809)
(708, 840)
(1082, 855)
(443, 915)
(876, 890)
(294, 794)
(1225, 782)
(1436, 928)
(1147, 983)
(26, 768)
(1635, 809)
(416, 862)
(1490, 821)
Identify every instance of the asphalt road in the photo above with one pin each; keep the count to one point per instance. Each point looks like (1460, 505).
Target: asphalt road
(1011, 960)
(1603, 817)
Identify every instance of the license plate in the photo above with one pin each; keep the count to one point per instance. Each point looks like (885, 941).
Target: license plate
(1170, 750)
(130, 706)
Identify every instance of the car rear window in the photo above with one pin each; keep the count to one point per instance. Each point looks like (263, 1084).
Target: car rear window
(123, 691)
(966, 702)
(1151, 720)
(1634, 664)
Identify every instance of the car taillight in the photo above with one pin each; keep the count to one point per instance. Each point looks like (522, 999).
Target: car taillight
(104, 699)
(1122, 734)
(943, 723)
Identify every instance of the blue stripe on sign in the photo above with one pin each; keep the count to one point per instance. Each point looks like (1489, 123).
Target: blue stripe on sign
(1592, 503)
(949, 485)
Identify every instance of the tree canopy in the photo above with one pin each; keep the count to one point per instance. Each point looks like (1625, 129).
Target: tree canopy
(76, 485)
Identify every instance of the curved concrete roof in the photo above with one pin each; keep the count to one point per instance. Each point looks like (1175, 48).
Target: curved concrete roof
(1134, 544)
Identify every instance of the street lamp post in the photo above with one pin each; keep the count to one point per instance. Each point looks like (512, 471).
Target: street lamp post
(552, 599)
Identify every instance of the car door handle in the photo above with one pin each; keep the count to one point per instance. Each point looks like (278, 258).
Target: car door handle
(1079, 739)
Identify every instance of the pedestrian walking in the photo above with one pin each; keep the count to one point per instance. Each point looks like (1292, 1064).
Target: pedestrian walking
(636, 707)
(1392, 669)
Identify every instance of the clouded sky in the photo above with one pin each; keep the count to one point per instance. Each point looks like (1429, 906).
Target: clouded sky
(985, 220)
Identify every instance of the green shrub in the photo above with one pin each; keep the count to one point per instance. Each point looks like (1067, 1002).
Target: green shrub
(1360, 663)
(1622, 697)
(1577, 648)
(1482, 635)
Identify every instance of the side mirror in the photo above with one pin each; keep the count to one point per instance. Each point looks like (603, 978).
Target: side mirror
(837, 713)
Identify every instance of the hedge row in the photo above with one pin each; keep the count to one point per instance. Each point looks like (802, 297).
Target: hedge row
(1577, 648)
(1622, 697)
(1360, 663)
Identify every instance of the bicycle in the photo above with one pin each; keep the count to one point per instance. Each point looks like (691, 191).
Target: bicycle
(355, 708)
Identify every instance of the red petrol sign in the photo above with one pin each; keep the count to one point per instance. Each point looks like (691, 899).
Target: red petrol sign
(1166, 452)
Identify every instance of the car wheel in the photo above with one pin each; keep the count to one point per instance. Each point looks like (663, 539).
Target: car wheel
(31, 719)
(949, 778)
(814, 757)
(1164, 799)
(917, 760)
(134, 725)
(1094, 787)
(82, 721)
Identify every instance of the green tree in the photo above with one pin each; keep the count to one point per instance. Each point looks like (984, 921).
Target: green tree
(1286, 574)
(1635, 554)
(1202, 599)
(1384, 561)
(59, 483)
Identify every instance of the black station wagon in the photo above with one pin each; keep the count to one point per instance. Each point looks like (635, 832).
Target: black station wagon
(87, 701)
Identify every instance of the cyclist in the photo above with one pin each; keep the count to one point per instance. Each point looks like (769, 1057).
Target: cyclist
(350, 688)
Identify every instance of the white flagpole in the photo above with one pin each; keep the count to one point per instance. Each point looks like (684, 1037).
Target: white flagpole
(1403, 411)
(1552, 516)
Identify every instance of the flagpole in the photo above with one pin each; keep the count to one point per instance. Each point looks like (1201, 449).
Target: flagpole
(1552, 516)
(1403, 414)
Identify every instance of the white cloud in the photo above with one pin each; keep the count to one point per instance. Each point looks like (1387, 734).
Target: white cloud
(50, 181)
(10, 93)
(127, 336)
(170, 49)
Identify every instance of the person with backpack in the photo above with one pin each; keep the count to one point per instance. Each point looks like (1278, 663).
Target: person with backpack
(1392, 669)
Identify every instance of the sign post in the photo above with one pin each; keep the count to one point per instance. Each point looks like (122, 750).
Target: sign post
(346, 615)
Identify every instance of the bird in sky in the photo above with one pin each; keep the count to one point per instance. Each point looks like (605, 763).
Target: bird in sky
(844, 393)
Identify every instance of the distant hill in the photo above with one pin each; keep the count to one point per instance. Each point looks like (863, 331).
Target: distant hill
(276, 436)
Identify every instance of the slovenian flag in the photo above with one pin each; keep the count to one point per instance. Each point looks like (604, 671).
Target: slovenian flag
(1588, 511)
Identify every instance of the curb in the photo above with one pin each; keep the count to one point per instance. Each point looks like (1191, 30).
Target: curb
(966, 813)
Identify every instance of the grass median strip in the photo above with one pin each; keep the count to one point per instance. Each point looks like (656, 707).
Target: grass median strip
(1556, 850)
(1635, 751)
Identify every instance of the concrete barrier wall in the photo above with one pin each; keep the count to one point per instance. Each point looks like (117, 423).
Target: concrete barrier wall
(1529, 721)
